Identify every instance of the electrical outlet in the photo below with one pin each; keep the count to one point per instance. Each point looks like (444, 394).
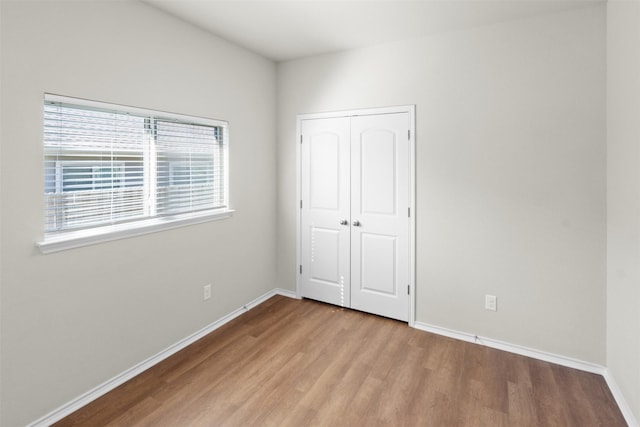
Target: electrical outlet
(206, 292)
(491, 302)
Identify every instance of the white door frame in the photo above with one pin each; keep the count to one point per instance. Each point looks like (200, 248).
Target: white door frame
(410, 109)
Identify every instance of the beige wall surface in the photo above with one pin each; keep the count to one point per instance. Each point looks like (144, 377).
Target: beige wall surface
(73, 319)
(623, 198)
(510, 166)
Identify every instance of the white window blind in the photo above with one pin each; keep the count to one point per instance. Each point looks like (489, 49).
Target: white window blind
(190, 170)
(106, 165)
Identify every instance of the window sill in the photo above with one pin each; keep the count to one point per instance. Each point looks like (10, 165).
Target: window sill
(76, 239)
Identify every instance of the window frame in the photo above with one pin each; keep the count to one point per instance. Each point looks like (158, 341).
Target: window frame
(63, 240)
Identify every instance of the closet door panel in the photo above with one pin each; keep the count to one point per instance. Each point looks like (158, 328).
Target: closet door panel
(324, 234)
(379, 214)
(377, 177)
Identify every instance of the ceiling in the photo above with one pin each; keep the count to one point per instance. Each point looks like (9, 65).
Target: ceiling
(283, 30)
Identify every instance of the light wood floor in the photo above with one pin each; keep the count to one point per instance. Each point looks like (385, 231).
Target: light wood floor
(303, 363)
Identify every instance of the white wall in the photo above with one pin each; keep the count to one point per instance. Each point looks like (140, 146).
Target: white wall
(74, 319)
(510, 171)
(623, 198)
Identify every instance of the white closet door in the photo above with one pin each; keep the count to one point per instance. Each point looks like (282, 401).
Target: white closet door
(354, 222)
(324, 219)
(380, 179)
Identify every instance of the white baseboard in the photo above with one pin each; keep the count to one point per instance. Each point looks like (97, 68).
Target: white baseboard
(88, 397)
(513, 348)
(620, 400)
(540, 355)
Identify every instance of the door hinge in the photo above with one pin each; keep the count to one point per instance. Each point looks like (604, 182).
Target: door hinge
(300, 268)
(408, 289)
(409, 212)
(409, 134)
(300, 203)
(300, 139)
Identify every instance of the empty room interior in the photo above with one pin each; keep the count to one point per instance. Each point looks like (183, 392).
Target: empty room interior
(437, 202)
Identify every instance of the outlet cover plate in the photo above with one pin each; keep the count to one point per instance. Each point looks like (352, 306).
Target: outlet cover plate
(491, 302)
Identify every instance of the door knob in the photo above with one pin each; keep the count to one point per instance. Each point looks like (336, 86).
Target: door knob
(356, 223)
(344, 222)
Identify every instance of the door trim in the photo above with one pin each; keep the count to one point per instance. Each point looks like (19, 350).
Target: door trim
(410, 109)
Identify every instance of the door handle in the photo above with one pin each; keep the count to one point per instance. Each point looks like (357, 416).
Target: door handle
(344, 222)
(356, 223)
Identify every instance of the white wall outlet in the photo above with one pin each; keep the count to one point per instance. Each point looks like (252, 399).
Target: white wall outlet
(491, 302)
(206, 292)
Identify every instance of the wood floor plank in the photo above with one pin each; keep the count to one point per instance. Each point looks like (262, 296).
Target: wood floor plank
(401, 382)
(298, 363)
(136, 413)
(363, 403)
(548, 396)
(522, 411)
(494, 380)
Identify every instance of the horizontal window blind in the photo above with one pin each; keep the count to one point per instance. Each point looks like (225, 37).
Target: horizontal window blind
(190, 168)
(105, 166)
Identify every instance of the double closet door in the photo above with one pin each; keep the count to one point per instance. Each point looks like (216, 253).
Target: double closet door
(354, 212)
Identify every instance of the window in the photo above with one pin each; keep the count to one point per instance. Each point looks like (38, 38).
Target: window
(112, 170)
